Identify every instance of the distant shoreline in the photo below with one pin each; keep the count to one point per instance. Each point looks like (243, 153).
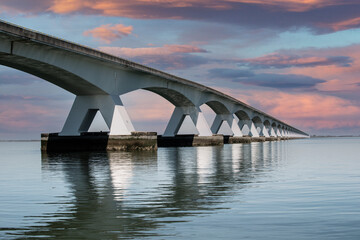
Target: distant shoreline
(332, 136)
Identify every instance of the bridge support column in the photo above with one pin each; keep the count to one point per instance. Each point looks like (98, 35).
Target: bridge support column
(231, 121)
(178, 117)
(272, 132)
(85, 108)
(264, 132)
(253, 132)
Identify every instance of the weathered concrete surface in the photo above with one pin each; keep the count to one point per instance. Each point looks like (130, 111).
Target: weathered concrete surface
(248, 139)
(190, 141)
(137, 141)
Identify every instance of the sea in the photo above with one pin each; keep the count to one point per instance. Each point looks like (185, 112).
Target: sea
(294, 189)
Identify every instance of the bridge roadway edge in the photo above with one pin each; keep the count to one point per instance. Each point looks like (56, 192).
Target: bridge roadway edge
(138, 141)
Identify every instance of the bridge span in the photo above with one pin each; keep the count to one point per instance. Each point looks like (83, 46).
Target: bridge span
(99, 79)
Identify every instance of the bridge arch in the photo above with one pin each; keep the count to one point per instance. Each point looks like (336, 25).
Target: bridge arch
(242, 115)
(174, 97)
(51, 73)
(218, 107)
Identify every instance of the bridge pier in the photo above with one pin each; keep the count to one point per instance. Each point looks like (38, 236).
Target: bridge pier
(99, 141)
(178, 117)
(253, 132)
(85, 108)
(230, 120)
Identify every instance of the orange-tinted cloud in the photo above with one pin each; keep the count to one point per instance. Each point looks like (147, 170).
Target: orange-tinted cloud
(108, 33)
(337, 68)
(338, 78)
(293, 5)
(320, 15)
(305, 110)
(113, 7)
(164, 50)
(136, 103)
(25, 116)
(343, 25)
(286, 60)
(165, 57)
(336, 85)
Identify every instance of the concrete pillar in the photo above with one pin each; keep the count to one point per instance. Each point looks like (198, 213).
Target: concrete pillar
(252, 128)
(272, 132)
(284, 133)
(178, 117)
(264, 132)
(228, 119)
(85, 108)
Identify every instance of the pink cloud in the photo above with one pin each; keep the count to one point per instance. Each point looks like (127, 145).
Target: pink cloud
(166, 57)
(286, 59)
(268, 13)
(26, 117)
(304, 110)
(344, 25)
(113, 7)
(336, 85)
(339, 67)
(108, 33)
(164, 50)
(293, 5)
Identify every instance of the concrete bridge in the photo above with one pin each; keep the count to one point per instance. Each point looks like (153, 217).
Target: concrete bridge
(99, 79)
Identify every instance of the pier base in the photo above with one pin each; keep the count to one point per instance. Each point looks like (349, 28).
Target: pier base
(190, 141)
(137, 141)
(246, 139)
(99, 141)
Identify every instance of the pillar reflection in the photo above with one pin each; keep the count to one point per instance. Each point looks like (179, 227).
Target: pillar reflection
(130, 195)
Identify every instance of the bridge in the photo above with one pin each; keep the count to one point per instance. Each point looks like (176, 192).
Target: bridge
(99, 79)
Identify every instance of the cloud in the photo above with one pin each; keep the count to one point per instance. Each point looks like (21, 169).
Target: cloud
(278, 81)
(150, 51)
(108, 33)
(281, 81)
(307, 111)
(286, 60)
(319, 15)
(343, 25)
(165, 57)
(16, 78)
(27, 115)
(114, 7)
(336, 85)
(340, 81)
(229, 73)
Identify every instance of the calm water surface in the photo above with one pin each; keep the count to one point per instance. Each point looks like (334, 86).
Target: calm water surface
(300, 189)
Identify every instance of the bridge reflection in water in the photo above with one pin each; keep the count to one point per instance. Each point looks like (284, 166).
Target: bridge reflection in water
(131, 195)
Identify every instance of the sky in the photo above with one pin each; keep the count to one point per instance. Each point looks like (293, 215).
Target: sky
(298, 61)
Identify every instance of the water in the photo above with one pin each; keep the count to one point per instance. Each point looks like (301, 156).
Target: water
(299, 189)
